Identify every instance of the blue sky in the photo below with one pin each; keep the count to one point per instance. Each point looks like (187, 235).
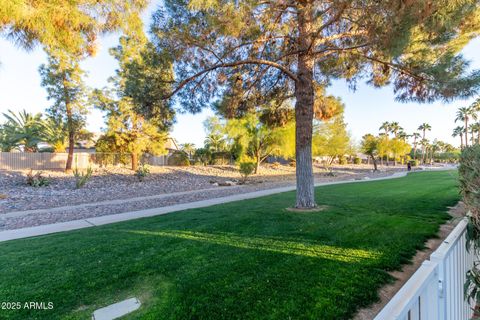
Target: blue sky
(366, 108)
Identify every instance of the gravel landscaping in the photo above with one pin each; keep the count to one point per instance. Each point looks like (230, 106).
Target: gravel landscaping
(200, 183)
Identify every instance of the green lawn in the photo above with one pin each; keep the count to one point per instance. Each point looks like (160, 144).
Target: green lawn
(245, 260)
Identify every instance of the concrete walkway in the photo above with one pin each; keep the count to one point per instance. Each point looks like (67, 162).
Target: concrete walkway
(102, 220)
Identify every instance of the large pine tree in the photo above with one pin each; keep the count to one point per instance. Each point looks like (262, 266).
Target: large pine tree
(71, 26)
(291, 46)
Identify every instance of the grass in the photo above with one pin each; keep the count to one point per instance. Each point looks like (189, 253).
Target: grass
(244, 260)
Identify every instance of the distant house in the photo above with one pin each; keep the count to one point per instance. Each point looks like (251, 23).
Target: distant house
(171, 145)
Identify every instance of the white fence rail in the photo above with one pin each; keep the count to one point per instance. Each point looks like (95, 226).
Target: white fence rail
(58, 161)
(435, 291)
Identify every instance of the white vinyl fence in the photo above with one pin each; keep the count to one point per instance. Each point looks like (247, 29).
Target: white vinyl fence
(81, 160)
(435, 291)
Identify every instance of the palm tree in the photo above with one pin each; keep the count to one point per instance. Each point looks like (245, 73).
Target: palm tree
(475, 133)
(458, 132)
(464, 114)
(188, 148)
(23, 129)
(425, 146)
(385, 127)
(215, 142)
(395, 129)
(415, 136)
(424, 127)
(54, 131)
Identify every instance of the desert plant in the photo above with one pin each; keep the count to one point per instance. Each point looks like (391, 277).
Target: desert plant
(142, 172)
(246, 168)
(82, 177)
(37, 179)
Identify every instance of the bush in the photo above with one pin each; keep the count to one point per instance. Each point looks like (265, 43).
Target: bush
(292, 163)
(357, 160)
(179, 158)
(469, 178)
(37, 180)
(246, 169)
(220, 158)
(203, 155)
(342, 160)
(81, 178)
(142, 172)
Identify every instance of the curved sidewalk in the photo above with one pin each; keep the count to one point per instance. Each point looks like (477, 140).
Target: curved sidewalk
(102, 220)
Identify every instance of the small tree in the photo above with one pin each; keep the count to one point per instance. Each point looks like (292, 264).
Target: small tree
(369, 146)
(331, 137)
(62, 77)
(134, 87)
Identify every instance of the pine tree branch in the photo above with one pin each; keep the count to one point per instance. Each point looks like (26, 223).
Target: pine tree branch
(278, 66)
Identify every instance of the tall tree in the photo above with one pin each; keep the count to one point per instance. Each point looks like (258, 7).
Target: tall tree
(62, 77)
(465, 114)
(458, 132)
(415, 137)
(71, 26)
(397, 144)
(290, 46)
(424, 127)
(385, 127)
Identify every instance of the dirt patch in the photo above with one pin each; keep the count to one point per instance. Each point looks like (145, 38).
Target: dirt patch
(387, 292)
(316, 209)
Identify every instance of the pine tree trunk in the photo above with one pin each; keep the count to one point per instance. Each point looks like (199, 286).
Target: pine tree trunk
(304, 95)
(71, 132)
(134, 158)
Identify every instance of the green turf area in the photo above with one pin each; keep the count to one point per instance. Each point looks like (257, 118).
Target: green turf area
(244, 260)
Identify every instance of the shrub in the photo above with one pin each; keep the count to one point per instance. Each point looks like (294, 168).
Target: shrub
(357, 160)
(469, 178)
(37, 180)
(203, 155)
(180, 159)
(81, 178)
(220, 158)
(292, 163)
(142, 172)
(342, 160)
(246, 169)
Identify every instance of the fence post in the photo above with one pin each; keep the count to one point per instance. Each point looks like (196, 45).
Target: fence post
(442, 300)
